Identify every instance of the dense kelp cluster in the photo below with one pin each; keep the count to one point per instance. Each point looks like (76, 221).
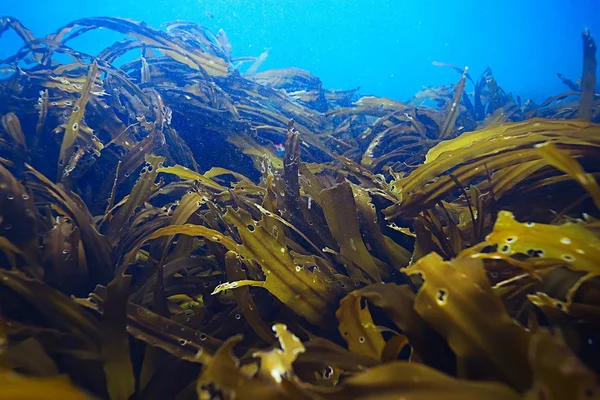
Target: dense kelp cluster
(178, 225)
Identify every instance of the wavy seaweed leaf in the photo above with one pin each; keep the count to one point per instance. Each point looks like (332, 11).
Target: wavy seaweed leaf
(570, 243)
(357, 327)
(457, 301)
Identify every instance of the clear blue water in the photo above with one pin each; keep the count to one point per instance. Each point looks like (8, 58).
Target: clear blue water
(386, 47)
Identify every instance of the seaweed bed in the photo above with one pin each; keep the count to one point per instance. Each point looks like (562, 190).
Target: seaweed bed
(357, 247)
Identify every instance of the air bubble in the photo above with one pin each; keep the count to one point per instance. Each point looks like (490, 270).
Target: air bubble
(10, 197)
(238, 316)
(202, 337)
(75, 126)
(361, 339)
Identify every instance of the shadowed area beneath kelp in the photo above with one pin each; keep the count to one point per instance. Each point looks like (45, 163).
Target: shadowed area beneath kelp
(254, 235)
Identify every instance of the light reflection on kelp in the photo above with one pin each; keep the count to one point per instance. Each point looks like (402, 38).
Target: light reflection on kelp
(395, 250)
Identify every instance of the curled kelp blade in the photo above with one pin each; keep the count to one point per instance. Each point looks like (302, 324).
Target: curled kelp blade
(357, 328)
(457, 301)
(397, 301)
(192, 57)
(570, 166)
(478, 154)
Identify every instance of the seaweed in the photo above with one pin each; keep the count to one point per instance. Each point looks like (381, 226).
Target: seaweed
(260, 236)
(588, 80)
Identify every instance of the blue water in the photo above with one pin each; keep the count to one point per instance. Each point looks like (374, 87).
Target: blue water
(386, 47)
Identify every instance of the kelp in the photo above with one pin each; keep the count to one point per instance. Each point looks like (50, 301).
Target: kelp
(18, 386)
(75, 124)
(343, 222)
(452, 113)
(571, 167)
(490, 335)
(477, 154)
(588, 80)
(357, 327)
(120, 381)
(570, 243)
(306, 292)
(260, 236)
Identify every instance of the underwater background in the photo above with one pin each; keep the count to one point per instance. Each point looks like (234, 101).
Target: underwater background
(311, 200)
(386, 47)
